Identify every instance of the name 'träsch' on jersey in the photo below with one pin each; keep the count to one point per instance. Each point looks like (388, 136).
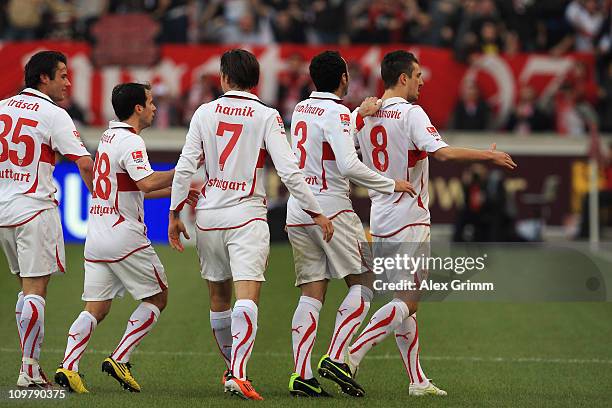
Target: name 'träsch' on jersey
(32, 129)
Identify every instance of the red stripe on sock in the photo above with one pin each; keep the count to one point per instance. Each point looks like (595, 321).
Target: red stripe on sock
(352, 316)
(141, 328)
(244, 340)
(382, 323)
(337, 356)
(307, 333)
(84, 341)
(356, 348)
(307, 357)
(134, 343)
(33, 320)
(241, 376)
(219, 347)
(416, 337)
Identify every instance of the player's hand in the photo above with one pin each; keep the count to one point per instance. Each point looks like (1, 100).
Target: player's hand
(175, 228)
(326, 225)
(501, 159)
(370, 106)
(192, 197)
(404, 186)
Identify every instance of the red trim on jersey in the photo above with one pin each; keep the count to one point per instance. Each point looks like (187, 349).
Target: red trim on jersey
(22, 222)
(312, 223)
(338, 101)
(261, 161)
(125, 183)
(419, 200)
(418, 224)
(116, 260)
(47, 155)
(360, 122)
(230, 228)
(159, 281)
(326, 154)
(414, 156)
(75, 157)
(59, 262)
(121, 217)
(311, 213)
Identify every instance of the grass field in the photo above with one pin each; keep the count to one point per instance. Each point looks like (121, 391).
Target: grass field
(483, 354)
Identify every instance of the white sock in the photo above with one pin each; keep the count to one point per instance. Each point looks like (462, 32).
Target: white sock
(244, 329)
(221, 324)
(303, 334)
(79, 335)
(407, 339)
(32, 324)
(353, 309)
(139, 325)
(18, 309)
(383, 322)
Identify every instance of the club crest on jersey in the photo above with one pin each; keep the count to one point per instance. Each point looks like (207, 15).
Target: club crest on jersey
(137, 156)
(345, 119)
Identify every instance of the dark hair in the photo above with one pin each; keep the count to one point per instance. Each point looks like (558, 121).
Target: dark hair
(127, 96)
(395, 64)
(326, 70)
(42, 63)
(241, 68)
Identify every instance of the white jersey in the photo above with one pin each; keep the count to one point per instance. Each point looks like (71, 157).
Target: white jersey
(395, 142)
(116, 228)
(235, 133)
(32, 129)
(322, 140)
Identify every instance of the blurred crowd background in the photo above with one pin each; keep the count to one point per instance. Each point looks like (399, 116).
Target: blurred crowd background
(467, 27)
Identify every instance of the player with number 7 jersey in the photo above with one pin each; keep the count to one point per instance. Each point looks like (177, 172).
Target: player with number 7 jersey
(235, 134)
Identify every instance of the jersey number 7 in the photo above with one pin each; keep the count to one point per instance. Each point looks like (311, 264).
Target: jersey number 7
(236, 130)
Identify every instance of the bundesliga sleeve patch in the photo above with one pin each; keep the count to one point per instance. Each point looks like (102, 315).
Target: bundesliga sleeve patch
(345, 119)
(281, 124)
(434, 132)
(137, 156)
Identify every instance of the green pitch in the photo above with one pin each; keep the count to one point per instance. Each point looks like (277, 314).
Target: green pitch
(483, 354)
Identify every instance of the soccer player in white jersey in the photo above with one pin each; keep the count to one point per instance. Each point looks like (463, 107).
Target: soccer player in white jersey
(322, 140)
(396, 142)
(235, 133)
(33, 128)
(118, 254)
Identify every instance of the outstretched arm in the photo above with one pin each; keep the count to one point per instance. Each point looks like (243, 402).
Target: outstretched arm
(492, 156)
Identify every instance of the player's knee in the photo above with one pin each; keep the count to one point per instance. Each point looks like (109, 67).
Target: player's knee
(412, 306)
(160, 300)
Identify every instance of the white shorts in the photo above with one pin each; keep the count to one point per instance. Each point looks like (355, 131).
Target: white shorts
(344, 255)
(238, 253)
(411, 241)
(35, 248)
(141, 274)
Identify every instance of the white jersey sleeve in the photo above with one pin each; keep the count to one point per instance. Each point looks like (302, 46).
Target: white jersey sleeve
(339, 134)
(422, 133)
(286, 165)
(187, 164)
(65, 138)
(134, 158)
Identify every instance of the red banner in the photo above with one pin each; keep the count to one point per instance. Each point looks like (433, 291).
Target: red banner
(181, 66)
